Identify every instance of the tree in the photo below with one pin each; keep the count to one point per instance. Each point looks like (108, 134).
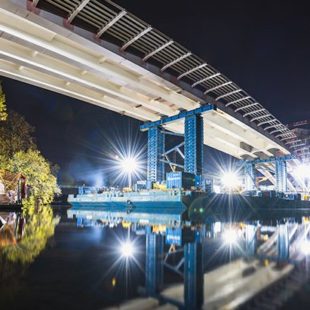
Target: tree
(37, 170)
(16, 135)
(3, 114)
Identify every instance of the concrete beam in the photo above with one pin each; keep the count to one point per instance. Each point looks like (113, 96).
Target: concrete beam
(56, 44)
(40, 79)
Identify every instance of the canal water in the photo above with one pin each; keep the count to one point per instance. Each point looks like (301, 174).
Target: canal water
(79, 268)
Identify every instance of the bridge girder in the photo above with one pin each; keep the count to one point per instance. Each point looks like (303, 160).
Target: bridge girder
(40, 52)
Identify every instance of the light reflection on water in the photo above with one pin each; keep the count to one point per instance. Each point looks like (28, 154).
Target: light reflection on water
(82, 266)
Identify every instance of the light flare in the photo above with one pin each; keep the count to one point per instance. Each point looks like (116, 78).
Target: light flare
(127, 249)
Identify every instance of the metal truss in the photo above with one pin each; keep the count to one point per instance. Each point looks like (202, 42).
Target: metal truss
(173, 251)
(167, 160)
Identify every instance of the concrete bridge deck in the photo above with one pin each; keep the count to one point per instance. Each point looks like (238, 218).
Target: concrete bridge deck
(36, 48)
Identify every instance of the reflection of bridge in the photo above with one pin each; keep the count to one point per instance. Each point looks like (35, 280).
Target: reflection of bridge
(228, 287)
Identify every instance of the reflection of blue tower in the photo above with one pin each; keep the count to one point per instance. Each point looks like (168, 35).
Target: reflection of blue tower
(153, 262)
(250, 240)
(193, 242)
(283, 243)
(194, 271)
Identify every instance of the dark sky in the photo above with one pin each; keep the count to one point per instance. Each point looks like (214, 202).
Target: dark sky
(263, 46)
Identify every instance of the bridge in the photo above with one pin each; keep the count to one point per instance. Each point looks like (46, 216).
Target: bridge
(100, 53)
(123, 64)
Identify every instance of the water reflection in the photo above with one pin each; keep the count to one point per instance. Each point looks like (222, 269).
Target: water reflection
(23, 236)
(86, 268)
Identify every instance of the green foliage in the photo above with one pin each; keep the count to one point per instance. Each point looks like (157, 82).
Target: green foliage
(3, 114)
(38, 173)
(16, 135)
(18, 154)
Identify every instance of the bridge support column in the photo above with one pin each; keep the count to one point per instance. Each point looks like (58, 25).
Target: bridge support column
(153, 262)
(249, 172)
(250, 240)
(193, 147)
(194, 272)
(155, 149)
(283, 243)
(281, 175)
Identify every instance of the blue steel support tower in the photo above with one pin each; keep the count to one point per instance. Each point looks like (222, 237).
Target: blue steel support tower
(249, 172)
(193, 142)
(155, 149)
(281, 175)
(193, 147)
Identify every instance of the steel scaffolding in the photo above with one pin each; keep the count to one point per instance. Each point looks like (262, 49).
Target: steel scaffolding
(156, 147)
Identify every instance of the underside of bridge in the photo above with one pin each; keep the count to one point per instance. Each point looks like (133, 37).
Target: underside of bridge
(129, 67)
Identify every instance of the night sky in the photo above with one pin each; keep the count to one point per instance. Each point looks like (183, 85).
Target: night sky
(263, 46)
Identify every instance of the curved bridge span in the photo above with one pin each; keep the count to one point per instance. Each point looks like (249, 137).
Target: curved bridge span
(98, 52)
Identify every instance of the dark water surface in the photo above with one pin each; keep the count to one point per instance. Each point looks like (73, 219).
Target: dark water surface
(73, 273)
(82, 268)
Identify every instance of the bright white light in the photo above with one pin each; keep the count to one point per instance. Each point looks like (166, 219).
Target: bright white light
(230, 236)
(302, 171)
(305, 248)
(230, 180)
(217, 227)
(127, 249)
(216, 189)
(129, 164)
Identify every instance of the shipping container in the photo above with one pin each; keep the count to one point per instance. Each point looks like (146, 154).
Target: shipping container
(180, 179)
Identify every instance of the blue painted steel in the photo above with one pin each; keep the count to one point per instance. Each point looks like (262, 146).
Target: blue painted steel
(283, 243)
(153, 262)
(79, 222)
(249, 172)
(281, 176)
(149, 212)
(180, 179)
(208, 185)
(155, 149)
(193, 275)
(250, 240)
(183, 114)
(174, 236)
(271, 159)
(193, 147)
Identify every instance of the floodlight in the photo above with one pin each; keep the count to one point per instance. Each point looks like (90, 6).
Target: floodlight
(230, 180)
(127, 249)
(129, 164)
(230, 237)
